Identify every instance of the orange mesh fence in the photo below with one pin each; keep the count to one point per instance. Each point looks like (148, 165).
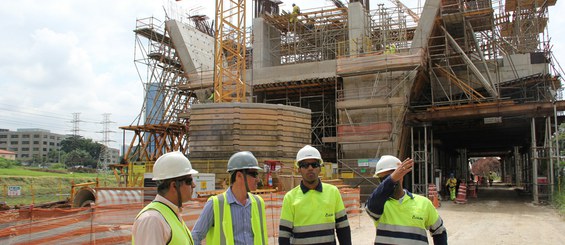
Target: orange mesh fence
(107, 223)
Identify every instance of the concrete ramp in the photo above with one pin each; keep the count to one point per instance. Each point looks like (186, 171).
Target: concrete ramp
(194, 48)
(425, 26)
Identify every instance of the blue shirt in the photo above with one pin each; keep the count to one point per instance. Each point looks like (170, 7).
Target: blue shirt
(242, 232)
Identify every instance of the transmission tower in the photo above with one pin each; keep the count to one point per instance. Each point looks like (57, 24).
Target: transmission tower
(104, 159)
(76, 124)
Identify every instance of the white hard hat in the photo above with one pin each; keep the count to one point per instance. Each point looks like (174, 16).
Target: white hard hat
(386, 163)
(243, 160)
(171, 165)
(308, 152)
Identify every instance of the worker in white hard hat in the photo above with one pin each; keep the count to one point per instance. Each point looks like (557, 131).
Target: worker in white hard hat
(249, 225)
(401, 217)
(160, 221)
(313, 212)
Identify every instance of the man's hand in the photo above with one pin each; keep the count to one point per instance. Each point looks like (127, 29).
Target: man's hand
(404, 168)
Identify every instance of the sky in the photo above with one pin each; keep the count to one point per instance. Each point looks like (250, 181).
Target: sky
(66, 56)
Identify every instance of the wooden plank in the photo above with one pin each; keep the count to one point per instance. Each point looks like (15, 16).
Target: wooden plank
(360, 138)
(304, 124)
(235, 116)
(372, 63)
(257, 138)
(229, 111)
(370, 103)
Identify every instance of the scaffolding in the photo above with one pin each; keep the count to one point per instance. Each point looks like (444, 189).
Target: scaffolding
(318, 96)
(157, 128)
(315, 36)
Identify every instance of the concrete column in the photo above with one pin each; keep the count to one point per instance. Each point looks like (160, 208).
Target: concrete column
(517, 166)
(358, 28)
(266, 43)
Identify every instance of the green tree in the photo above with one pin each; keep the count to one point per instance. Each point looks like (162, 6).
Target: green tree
(5, 163)
(54, 156)
(79, 157)
(79, 143)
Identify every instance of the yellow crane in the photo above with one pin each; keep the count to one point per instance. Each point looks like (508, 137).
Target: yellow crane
(229, 51)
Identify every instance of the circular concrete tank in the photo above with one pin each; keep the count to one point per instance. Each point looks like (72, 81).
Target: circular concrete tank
(270, 132)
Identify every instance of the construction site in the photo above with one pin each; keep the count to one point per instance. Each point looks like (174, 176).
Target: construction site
(446, 83)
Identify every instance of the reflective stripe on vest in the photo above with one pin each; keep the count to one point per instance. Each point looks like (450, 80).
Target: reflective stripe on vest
(223, 234)
(180, 234)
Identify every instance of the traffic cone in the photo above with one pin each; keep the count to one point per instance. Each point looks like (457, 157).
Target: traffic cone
(436, 202)
(433, 195)
(461, 194)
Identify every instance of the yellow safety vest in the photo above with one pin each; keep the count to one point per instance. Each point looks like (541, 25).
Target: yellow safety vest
(407, 222)
(179, 232)
(223, 234)
(312, 216)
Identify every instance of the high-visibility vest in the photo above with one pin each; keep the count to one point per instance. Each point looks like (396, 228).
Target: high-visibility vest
(222, 232)
(180, 234)
(312, 217)
(452, 182)
(407, 222)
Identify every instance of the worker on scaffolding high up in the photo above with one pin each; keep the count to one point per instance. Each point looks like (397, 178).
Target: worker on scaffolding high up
(310, 23)
(294, 14)
(390, 49)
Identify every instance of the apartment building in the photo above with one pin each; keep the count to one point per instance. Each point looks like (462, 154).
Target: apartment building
(30, 143)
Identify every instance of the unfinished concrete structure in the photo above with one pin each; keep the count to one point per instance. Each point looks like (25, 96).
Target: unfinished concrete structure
(464, 79)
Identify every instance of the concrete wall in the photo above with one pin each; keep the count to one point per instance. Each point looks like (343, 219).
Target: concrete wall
(293, 72)
(265, 39)
(195, 49)
(390, 111)
(523, 66)
(358, 22)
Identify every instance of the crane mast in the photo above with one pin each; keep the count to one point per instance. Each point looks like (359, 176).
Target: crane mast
(229, 51)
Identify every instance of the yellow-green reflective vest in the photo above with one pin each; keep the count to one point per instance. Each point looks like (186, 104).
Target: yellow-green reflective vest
(407, 222)
(179, 232)
(223, 234)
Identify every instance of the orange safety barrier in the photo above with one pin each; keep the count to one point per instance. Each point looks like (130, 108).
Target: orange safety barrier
(461, 194)
(111, 224)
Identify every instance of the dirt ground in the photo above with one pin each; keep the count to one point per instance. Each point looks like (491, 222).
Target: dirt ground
(498, 216)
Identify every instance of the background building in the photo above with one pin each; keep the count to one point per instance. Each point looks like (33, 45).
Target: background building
(30, 144)
(10, 155)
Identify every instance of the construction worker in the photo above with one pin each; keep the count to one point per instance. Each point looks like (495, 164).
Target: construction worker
(160, 221)
(313, 212)
(390, 49)
(216, 223)
(310, 23)
(490, 178)
(452, 186)
(294, 14)
(401, 217)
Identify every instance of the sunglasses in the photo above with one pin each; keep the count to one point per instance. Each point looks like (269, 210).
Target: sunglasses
(252, 174)
(187, 180)
(305, 164)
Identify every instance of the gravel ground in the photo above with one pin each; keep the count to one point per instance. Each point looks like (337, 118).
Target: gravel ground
(498, 216)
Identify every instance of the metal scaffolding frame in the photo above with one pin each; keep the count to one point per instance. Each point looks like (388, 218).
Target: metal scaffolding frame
(157, 128)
